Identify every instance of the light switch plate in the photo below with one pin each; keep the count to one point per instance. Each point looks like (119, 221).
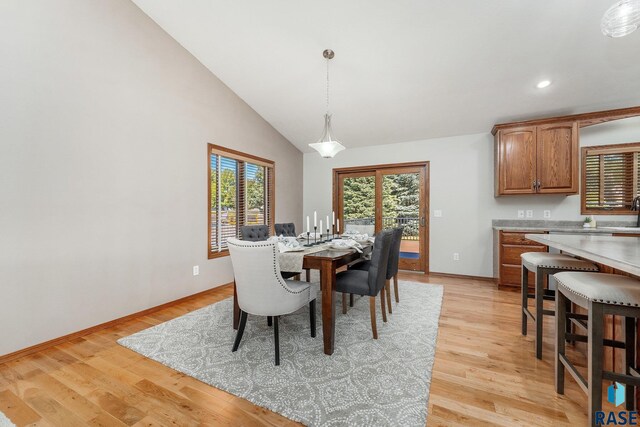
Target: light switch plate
(529, 213)
(520, 214)
(437, 213)
(547, 214)
(196, 270)
(456, 256)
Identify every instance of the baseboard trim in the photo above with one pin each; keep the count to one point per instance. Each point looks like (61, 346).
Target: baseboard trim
(65, 338)
(463, 276)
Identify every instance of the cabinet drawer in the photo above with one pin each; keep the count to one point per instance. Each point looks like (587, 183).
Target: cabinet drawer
(511, 254)
(510, 238)
(510, 275)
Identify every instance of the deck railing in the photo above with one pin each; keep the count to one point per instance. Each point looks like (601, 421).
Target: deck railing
(367, 225)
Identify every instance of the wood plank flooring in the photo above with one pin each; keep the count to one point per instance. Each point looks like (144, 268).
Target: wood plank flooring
(485, 373)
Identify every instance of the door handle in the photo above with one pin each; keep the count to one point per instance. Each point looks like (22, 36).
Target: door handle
(422, 221)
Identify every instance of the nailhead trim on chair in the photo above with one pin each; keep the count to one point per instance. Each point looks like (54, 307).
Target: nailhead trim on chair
(595, 299)
(275, 270)
(594, 269)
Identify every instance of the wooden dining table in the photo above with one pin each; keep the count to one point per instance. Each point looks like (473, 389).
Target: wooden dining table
(326, 262)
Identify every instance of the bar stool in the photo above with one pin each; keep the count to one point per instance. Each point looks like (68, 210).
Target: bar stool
(544, 264)
(600, 294)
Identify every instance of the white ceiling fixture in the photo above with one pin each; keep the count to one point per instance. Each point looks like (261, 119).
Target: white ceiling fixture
(327, 145)
(621, 19)
(396, 77)
(543, 83)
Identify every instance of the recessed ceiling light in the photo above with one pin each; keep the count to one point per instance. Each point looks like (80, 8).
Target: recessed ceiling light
(543, 84)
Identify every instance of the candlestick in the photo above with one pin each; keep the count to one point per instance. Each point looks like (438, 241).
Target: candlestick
(315, 234)
(329, 239)
(320, 230)
(327, 220)
(338, 225)
(308, 244)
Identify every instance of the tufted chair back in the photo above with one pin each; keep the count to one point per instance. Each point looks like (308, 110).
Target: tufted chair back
(254, 233)
(394, 252)
(287, 229)
(261, 289)
(379, 261)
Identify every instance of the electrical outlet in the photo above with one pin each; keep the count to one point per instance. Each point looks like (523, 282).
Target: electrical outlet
(547, 214)
(529, 213)
(196, 270)
(437, 213)
(520, 214)
(456, 256)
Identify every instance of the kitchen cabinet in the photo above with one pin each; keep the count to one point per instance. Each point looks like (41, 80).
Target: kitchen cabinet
(511, 246)
(537, 159)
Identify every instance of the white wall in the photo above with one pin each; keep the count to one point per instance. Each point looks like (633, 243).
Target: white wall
(462, 187)
(104, 121)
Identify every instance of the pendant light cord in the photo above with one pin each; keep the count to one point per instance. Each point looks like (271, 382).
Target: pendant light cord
(327, 85)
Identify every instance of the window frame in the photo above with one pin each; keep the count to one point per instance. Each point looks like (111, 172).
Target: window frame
(609, 149)
(270, 190)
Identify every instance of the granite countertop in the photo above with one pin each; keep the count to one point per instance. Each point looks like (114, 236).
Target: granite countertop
(569, 227)
(621, 253)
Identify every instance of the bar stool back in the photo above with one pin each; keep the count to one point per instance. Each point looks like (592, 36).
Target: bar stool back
(544, 264)
(601, 294)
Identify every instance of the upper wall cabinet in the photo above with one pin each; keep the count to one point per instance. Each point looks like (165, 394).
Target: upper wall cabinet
(541, 156)
(537, 159)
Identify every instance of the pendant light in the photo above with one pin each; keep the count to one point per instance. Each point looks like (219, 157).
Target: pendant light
(327, 145)
(621, 19)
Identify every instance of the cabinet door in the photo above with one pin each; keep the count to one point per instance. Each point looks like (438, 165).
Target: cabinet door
(558, 158)
(516, 160)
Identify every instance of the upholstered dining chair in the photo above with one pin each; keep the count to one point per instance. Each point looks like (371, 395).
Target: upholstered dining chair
(392, 269)
(254, 233)
(262, 291)
(372, 282)
(287, 229)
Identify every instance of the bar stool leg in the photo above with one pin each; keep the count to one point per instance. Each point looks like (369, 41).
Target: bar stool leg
(561, 321)
(594, 354)
(630, 359)
(524, 284)
(539, 307)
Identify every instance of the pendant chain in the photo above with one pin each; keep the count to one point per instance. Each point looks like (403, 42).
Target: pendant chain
(327, 85)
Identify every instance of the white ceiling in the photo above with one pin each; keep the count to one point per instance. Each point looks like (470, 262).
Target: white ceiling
(410, 69)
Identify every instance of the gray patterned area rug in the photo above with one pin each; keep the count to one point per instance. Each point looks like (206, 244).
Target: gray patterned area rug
(5, 422)
(365, 382)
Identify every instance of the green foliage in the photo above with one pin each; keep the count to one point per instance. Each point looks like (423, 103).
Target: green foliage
(255, 190)
(400, 199)
(228, 189)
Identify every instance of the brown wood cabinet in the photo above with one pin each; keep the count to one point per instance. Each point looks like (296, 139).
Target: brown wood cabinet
(540, 159)
(512, 245)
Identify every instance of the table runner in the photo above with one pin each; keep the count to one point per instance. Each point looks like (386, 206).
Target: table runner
(292, 261)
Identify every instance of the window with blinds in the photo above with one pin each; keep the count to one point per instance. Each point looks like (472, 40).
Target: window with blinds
(610, 175)
(241, 192)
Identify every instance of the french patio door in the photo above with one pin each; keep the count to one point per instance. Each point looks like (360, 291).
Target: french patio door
(375, 198)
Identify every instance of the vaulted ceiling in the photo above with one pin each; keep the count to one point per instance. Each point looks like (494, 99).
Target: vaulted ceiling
(410, 69)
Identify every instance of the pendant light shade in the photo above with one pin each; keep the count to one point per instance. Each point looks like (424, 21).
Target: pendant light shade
(327, 145)
(621, 19)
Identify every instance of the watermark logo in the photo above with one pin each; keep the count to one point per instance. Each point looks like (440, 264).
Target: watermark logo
(616, 394)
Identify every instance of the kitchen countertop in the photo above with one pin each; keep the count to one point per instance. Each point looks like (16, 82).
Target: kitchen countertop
(569, 227)
(619, 252)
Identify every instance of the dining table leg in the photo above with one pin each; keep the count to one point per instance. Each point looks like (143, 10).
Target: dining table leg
(328, 281)
(236, 307)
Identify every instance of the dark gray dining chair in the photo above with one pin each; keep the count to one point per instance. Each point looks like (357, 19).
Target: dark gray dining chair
(392, 269)
(287, 229)
(254, 233)
(257, 233)
(371, 282)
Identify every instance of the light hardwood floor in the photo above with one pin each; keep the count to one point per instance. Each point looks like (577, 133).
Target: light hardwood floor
(485, 373)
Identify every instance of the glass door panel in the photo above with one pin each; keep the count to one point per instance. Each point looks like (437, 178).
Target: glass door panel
(358, 203)
(401, 207)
